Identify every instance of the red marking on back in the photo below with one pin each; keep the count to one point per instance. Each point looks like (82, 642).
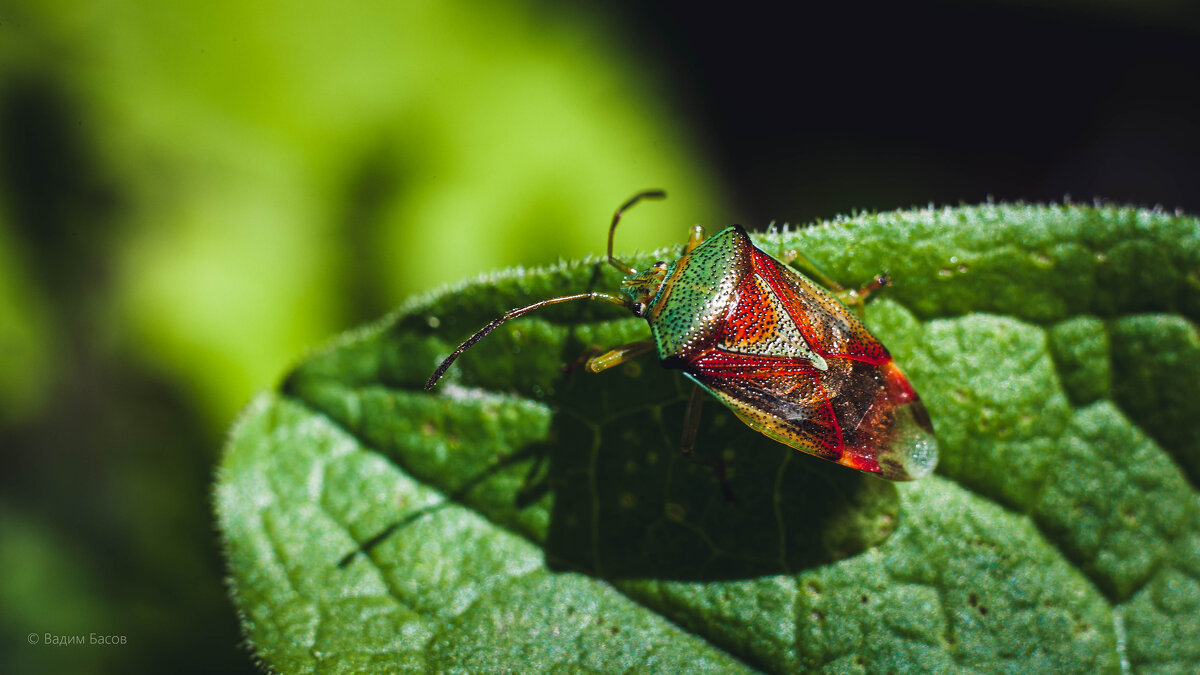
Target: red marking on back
(835, 446)
(729, 364)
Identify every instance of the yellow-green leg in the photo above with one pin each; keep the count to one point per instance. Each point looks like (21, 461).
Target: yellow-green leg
(695, 238)
(691, 415)
(618, 355)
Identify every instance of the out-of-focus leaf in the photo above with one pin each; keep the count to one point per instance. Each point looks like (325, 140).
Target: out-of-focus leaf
(541, 520)
(25, 369)
(48, 596)
(287, 170)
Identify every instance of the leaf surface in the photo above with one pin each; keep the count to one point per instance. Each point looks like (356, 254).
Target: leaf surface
(527, 518)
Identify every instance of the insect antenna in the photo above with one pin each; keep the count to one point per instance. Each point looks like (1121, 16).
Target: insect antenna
(625, 268)
(512, 314)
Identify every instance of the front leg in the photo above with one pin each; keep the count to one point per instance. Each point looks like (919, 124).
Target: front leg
(618, 355)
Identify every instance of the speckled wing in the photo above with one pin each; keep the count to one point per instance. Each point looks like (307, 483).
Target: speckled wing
(871, 421)
(791, 407)
(796, 365)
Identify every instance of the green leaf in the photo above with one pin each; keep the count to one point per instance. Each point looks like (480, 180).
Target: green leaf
(526, 518)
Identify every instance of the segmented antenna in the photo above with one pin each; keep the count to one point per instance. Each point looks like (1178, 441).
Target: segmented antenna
(512, 314)
(625, 268)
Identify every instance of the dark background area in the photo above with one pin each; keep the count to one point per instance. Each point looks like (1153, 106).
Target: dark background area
(816, 112)
(799, 115)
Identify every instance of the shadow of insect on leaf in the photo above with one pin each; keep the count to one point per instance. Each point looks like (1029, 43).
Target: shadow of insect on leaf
(459, 496)
(624, 503)
(627, 504)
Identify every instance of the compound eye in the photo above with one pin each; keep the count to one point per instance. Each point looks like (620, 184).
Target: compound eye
(660, 265)
(639, 309)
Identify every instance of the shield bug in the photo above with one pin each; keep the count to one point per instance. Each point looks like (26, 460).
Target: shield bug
(782, 352)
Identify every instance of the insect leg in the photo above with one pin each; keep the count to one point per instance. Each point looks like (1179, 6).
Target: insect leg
(854, 298)
(691, 421)
(619, 355)
(695, 238)
(858, 298)
(589, 354)
(691, 424)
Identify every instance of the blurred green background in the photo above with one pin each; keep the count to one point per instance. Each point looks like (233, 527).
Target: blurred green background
(193, 194)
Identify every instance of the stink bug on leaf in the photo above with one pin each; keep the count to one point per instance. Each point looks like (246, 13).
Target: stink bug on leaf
(785, 355)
